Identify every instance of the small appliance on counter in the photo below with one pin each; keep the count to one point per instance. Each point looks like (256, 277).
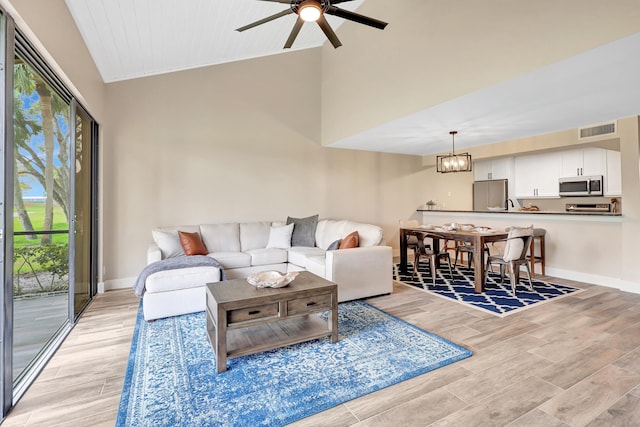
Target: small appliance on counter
(588, 207)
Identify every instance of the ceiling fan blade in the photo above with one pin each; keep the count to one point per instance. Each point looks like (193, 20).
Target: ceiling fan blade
(328, 31)
(294, 33)
(339, 1)
(265, 20)
(356, 17)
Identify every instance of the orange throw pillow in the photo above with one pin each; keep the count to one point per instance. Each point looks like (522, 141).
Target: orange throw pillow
(192, 243)
(350, 241)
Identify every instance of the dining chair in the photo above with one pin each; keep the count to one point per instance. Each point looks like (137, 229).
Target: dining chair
(412, 239)
(469, 249)
(515, 255)
(431, 256)
(450, 245)
(466, 247)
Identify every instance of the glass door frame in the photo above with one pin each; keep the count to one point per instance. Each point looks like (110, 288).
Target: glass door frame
(6, 132)
(93, 220)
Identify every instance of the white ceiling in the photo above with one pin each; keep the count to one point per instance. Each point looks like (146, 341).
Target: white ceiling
(137, 38)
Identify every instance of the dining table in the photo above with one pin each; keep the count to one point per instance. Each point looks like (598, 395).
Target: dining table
(477, 238)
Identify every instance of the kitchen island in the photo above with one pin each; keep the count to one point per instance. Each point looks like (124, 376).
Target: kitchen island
(583, 246)
(518, 212)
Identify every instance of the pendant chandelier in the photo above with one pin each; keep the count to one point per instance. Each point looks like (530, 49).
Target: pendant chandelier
(453, 162)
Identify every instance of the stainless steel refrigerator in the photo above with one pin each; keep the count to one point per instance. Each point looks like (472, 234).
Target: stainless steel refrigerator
(490, 195)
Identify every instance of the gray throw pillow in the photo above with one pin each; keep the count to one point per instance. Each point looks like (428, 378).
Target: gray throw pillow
(334, 246)
(304, 231)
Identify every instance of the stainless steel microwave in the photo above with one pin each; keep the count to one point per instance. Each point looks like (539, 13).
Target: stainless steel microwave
(582, 186)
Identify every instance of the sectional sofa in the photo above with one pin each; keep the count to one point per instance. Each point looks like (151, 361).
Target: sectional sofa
(244, 248)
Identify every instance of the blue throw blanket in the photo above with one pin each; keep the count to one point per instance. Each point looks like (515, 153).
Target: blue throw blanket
(173, 264)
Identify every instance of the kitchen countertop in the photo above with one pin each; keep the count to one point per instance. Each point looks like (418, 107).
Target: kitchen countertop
(516, 212)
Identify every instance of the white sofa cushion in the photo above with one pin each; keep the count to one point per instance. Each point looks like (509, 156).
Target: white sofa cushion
(254, 235)
(221, 237)
(168, 242)
(184, 278)
(267, 256)
(316, 265)
(369, 235)
(280, 237)
(298, 254)
(232, 259)
(328, 231)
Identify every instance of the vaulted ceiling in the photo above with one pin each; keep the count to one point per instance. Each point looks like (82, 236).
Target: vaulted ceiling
(138, 38)
(600, 82)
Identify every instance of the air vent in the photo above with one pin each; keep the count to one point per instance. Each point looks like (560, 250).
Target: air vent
(604, 129)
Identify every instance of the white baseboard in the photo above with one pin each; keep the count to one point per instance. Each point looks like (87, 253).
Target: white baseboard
(595, 279)
(110, 285)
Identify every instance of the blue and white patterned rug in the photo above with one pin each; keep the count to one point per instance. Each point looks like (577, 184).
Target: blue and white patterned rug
(171, 378)
(496, 299)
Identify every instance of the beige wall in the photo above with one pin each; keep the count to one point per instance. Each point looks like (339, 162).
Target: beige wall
(235, 142)
(630, 155)
(378, 76)
(55, 29)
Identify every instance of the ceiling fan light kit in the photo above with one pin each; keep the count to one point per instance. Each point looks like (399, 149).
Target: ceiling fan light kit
(453, 162)
(314, 10)
(309, 11)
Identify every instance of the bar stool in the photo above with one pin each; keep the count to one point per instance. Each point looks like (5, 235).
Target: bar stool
(538, 234)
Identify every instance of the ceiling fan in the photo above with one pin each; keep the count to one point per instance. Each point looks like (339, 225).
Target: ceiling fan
(314, 10)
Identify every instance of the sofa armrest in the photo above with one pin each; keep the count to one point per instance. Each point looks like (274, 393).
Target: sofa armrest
(153, 253)
(360, 272)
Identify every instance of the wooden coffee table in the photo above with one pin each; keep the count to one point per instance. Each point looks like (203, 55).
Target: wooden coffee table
(243, 319)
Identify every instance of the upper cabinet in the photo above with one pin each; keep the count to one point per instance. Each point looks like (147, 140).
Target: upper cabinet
(584, 162)
(537, 175)
(499, 168)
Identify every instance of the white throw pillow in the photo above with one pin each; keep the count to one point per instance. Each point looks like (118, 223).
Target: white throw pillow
(280, 237)
(168, 242)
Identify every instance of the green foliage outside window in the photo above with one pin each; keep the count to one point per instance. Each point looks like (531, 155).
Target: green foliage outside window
(46, 266)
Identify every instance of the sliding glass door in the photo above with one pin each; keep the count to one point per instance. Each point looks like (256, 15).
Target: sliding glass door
(41, 215)
(48, 216)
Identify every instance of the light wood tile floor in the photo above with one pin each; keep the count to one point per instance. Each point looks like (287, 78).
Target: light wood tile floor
(571, 362)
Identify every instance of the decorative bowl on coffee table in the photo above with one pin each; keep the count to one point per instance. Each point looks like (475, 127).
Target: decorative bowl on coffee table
(271, 279)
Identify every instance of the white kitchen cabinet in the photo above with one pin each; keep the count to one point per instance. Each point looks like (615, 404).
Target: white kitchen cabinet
(613, 177)
(481, 170)
(537, 175)
(584, 162)
(499, 168)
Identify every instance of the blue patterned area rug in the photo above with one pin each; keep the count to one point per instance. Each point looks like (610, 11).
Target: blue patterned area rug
(496, 299)
(171, 378)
